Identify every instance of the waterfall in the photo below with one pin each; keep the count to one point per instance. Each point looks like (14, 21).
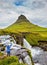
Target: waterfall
(39, 56)
(26, 44)
(34, 50)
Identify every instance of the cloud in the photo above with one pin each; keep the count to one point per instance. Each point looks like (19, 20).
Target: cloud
(35, 4)
(35, 11)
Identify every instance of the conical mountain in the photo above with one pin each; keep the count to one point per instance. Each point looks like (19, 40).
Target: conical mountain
(23, 25)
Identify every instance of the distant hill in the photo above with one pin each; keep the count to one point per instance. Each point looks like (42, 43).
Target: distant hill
(23, 25)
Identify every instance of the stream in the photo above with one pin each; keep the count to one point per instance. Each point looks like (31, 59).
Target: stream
(39, 56)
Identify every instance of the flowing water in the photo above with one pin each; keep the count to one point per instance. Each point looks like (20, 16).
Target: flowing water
(5, 39)
(39, 55)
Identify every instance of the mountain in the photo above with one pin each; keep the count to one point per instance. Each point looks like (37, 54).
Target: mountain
(24, 25)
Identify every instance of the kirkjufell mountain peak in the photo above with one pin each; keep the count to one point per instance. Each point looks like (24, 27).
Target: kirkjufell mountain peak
(22, 18)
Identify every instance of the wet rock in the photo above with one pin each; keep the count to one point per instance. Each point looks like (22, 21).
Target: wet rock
(41, 59)
(27, 60)
(20, 52)
(22, 55)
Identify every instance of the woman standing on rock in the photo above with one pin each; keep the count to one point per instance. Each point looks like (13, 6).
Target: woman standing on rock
(8, 49)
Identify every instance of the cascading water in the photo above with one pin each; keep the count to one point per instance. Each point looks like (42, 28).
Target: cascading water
(15, 47)
(34, 51)
(39, 56)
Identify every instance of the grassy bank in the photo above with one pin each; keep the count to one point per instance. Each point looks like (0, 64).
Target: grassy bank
(13, 60)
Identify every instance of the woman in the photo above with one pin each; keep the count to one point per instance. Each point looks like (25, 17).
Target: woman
(8, 49)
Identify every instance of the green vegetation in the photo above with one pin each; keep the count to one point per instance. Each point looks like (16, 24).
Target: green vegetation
(1, 54)
(35, 37)
(13, 60)
(22, 25)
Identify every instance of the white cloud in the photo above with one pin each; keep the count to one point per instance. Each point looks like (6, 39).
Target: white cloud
(9, 11)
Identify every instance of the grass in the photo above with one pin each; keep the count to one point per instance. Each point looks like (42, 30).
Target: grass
(35, 37)
(12, 60)
(24, 27)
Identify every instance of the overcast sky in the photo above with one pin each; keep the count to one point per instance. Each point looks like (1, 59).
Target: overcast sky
(34, 10)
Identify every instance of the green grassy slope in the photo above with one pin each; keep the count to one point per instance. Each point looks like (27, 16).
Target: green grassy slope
(35, 37)
(1, 32)
(23, 25)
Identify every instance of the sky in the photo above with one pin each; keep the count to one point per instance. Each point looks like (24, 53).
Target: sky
(34, 10)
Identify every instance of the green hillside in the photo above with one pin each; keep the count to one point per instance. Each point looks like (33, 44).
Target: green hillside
(1, 32)
(23, 25)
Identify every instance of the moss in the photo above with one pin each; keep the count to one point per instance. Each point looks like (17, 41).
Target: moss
(12, 60)
(17, 63)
